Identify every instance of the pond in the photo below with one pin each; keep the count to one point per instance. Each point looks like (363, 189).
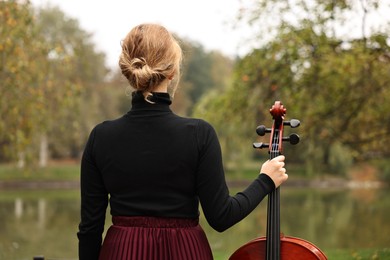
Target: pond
(45, 222)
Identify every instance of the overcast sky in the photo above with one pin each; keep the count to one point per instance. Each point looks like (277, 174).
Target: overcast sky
(208, 22)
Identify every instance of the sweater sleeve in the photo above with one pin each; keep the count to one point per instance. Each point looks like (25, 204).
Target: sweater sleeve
(94, 201)
(220, 208)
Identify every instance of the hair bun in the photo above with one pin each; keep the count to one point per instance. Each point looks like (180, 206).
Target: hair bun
(137, 63)
(150, 54)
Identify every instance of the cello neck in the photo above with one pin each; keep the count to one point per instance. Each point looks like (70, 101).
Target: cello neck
(273, 211)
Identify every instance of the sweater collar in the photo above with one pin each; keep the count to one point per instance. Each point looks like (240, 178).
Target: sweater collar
(159, 101)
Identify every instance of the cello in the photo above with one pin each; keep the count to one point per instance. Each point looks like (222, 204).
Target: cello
(275, 245)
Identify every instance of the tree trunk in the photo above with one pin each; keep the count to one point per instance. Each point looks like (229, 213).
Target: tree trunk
(21, 160)
(43, 151)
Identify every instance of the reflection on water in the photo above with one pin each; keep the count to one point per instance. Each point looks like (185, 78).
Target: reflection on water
(45, 223)
(38, 223)
(337, 219)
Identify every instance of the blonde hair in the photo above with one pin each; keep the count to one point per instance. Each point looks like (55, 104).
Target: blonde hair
(150, 54)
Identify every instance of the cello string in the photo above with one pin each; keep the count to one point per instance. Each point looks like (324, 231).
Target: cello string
(275, 211)
(269, 241)
(277, 207)
(269, 230)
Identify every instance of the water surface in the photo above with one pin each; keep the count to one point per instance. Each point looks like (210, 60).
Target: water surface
(45, 222)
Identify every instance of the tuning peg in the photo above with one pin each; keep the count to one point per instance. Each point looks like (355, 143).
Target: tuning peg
(293, 123)
(261, 130)
(260, 145)
(293, 139)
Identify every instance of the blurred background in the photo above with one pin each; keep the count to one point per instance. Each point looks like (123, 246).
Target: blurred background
(328, 61)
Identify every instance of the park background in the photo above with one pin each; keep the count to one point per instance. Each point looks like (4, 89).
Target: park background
(327, 61)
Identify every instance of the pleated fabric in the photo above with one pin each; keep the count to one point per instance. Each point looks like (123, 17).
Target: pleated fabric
(151, 238)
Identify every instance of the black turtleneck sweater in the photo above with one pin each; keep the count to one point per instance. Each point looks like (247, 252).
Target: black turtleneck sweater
(151, 162)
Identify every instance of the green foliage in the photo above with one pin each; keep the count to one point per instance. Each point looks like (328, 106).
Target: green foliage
(383, 166)
(336, 86)
(236, 112)
(54, 83)
(340, 159)
(74, 72)
(342, 96)
(196, 71)
(202, 72)
(49, 69)
(20, 76)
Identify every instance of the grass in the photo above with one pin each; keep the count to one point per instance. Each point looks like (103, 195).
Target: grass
(358, 254)
(64, 171)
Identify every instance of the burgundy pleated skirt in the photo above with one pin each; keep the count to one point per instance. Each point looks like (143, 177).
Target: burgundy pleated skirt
(152, 238)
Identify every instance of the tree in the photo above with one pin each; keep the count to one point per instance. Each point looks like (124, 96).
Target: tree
(203, 71)
(21, 74)
(74, 71)
(49, 72)
(337, 86)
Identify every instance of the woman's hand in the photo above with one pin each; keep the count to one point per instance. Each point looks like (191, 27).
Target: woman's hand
(275, 170)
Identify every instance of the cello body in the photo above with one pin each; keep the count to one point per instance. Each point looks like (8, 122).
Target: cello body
(291, 248)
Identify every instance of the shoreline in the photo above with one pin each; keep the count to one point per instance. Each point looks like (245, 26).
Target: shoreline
(297, 183)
